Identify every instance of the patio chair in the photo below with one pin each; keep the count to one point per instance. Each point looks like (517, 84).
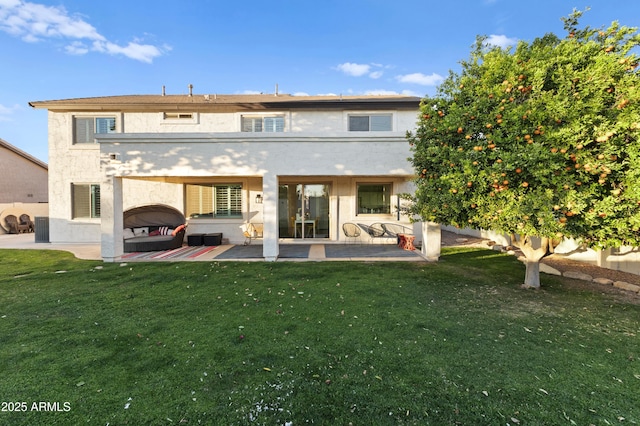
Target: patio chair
(395, 230)
(374, 231)
(251, 231)
(15, 227)
(25, 219)
(351, 231)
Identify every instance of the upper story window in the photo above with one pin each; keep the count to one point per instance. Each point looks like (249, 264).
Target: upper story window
(263, 124)
(370, 123)
(85, 128)
(178, 116)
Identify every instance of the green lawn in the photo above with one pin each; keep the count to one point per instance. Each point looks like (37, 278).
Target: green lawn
(335, 343)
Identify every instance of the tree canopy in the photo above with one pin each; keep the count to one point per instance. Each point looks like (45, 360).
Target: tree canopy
(538, 140)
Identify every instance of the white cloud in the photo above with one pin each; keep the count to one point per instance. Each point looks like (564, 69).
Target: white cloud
(382, 92)
(355, 70)
(76, 48)
(359, 70)
(422, 79)
(412, 93)
(140, 52)
(7, 112)
(36, 22)
(501, 41)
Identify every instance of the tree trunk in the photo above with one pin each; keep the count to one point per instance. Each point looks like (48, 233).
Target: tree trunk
(533, 249)
(532, 274)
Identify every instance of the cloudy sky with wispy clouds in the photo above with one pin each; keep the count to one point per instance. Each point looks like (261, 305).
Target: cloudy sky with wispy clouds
(77, 48)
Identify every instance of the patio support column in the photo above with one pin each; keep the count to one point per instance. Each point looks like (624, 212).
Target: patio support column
(111, 219)
(270, 249)
(431, 240)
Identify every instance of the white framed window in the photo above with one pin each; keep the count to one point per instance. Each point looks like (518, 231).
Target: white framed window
(208, 200)
(374, 198)
(85, 128)
(262, 123)
(370, 122)
(86, 201)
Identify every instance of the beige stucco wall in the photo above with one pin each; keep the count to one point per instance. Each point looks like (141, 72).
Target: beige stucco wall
(22, 181)
(317, 122)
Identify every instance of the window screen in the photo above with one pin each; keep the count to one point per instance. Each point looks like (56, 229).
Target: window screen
(370, 123)
(263, 124)
(85, 128)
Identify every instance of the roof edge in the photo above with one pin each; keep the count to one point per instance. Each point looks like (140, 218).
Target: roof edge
(229, 102)
(23, 154)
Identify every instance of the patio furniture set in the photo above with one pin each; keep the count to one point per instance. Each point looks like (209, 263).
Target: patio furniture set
(20, 225)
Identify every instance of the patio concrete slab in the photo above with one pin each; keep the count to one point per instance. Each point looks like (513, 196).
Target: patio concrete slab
(379, 251)
(86, 251)
(253, 252)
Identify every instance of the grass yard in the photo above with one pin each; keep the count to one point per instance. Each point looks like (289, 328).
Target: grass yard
(326, 343)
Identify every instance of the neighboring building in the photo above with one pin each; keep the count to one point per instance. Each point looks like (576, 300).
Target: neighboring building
(23, 185)
(24, 178)
(226, 160)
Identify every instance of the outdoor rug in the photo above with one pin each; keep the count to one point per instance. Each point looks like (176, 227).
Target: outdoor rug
(287, 251)
(184, 252)
(341, 251)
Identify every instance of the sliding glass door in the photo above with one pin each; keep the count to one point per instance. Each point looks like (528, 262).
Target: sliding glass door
(303, 210)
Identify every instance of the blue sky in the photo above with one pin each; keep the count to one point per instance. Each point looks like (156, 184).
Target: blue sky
(78, 48)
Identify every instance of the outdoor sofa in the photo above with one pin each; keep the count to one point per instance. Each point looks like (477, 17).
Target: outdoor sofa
(154, 227)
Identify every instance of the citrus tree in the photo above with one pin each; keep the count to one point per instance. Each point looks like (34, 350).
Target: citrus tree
(540, 141)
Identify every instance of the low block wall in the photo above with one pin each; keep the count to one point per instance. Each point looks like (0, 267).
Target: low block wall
(16, 209)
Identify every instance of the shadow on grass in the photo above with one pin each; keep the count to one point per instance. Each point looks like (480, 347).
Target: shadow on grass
(482, 264)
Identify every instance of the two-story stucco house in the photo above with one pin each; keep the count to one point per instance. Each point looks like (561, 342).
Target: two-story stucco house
(226, 160)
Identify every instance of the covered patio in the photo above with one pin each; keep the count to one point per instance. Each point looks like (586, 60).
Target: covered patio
(230, 252)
